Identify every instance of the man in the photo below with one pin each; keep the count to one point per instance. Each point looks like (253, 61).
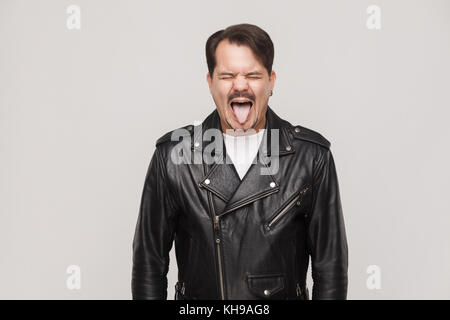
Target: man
(242, 229)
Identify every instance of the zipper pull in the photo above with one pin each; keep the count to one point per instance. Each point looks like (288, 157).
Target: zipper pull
(300, 195)
(216, 222)
(298, 290)
(182, 288)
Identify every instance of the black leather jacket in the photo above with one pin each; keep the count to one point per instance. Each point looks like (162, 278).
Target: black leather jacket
(248, 239)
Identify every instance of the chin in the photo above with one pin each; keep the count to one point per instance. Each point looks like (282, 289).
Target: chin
(245, 126)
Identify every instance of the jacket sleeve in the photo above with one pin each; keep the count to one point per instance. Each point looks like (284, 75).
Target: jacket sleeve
(327, 240)
(154, 234)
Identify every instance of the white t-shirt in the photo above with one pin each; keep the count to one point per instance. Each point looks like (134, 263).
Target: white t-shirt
(243, 150)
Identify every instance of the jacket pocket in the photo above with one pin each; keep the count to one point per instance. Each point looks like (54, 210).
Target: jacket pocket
(295, 201)
(267, 286)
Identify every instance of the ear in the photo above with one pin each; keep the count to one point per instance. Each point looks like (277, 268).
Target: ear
(272, 78)
(209, 80)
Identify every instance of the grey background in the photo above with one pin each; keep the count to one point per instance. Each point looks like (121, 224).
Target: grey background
(80, 111)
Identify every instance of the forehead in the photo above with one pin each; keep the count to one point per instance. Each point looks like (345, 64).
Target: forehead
(234, 57)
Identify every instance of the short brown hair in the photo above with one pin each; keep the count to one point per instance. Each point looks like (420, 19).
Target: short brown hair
(242, 34)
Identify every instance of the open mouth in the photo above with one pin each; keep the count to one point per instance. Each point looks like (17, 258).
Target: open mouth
(241, 109)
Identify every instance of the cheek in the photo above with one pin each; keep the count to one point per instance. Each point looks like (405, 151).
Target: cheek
(260, 91)
(221, 90)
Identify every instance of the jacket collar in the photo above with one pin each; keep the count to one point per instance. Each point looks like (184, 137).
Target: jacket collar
(222, 179)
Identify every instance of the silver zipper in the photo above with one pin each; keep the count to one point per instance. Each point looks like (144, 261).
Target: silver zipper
(216, 222)
(220, 269)
(249, 201)
(219, 258)
(287, 208)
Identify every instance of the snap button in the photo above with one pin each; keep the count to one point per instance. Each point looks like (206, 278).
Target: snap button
(196, 144)
(288, 148)
(297, 129)
(207, 181)
(266, 292)
(272, 184)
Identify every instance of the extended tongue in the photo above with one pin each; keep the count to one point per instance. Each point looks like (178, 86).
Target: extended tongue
(241, 111)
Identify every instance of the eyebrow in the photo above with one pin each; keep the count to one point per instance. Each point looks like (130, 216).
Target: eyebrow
(247, 74)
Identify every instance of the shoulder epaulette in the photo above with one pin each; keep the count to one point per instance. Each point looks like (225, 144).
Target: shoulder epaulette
(304, 133)
(167, 137)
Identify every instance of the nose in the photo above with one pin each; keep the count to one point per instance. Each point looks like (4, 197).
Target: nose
(240, 83)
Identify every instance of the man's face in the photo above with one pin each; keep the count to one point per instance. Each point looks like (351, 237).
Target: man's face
(240, 87)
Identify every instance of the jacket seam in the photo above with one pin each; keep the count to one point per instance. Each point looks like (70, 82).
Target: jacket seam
(173, 203)
(320, 159)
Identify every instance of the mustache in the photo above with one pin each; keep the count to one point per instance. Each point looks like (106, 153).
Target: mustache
(241, 95)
